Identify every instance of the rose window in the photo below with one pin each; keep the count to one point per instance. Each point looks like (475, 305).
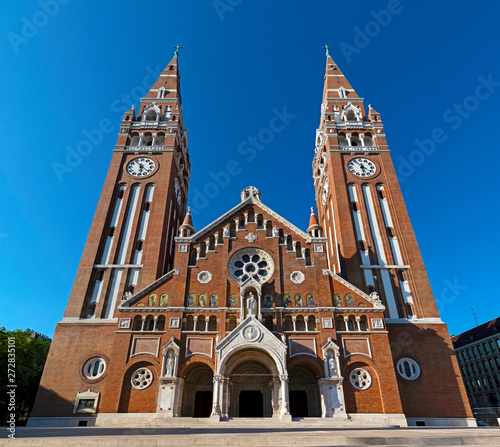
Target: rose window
(360, 378)
(251, 263)
(142, 378)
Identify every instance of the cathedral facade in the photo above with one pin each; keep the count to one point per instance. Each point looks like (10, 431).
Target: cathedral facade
(252, 316)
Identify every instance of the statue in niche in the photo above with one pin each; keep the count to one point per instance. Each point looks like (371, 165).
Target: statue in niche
(332, 365)
(169, 370)
(251, 304)
(225, 232)
(276, 232)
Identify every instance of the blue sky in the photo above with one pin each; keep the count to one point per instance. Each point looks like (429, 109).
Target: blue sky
(79, 65)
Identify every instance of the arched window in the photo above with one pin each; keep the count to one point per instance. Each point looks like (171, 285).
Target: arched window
(351, 324)
(300, 324)
(298, 250)
(200, 324)
(137, 323)
(339, 320)
(232, 229)
(308, 257)
(160, 324)
(311, 324)
(342, 141)
(269, 229)
(289, 244)
(134, 141)
(190, 323)
(363, 323)
(231, 323)
(149, 325)
(203, 250)
(192, 257)
(288, 323)
(260, 221)
(251, 216)
(241, 220)
(212, 323)
(281, 236)
(211, 243)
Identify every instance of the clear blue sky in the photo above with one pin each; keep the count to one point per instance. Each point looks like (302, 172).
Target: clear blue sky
(65, 71)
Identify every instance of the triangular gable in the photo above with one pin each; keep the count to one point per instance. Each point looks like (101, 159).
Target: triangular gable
(228, 216)
(377, 304)
(251, 333)
(126, 303)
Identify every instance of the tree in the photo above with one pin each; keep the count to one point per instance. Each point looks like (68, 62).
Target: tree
(30, 349)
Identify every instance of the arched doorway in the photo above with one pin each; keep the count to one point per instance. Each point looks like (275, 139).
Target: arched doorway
(304, 392)
(197, 394)
(252, 385)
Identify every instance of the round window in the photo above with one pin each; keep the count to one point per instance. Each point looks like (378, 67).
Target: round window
(360, 378)
(94, 368)
(408, 368)
(142, 378)
(251, 263)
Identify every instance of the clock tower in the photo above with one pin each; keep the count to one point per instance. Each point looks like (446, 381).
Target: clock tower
(131, 241)
(370, 239)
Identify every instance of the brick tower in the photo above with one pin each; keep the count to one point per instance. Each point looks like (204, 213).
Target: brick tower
(131, 239)
(371, 242)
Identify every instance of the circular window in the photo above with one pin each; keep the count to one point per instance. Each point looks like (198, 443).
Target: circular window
(360, 378)
(94, 368)
(251, 263)
(142, 378)
(408, 368)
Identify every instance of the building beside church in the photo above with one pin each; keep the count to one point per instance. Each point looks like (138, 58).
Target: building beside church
(252, 316)
(478, 353)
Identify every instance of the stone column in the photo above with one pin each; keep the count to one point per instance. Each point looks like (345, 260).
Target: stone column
(306, 322)
(358, 321)
(276, 396)
(285, 403)
(294, 320)
(215, 416)
(155, 319)
(195, 322)
(142, 324)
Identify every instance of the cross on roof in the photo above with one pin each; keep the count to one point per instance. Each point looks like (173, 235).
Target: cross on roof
(177, 48)
(327, 48)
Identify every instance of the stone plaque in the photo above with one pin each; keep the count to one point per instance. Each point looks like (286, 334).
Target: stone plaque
(302, 346)
(197, 345)
(356, 346)
(319, 248)
(125, 323)
(175, 323)
(146, 345)
(183, 248)
(377, 323)
(327, 323)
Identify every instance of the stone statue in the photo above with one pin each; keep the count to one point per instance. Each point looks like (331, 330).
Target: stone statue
(276, 232)
(169, 370)
(225, 233)
(127, 295)
(283, 338)
(375, 296)
(332, 367)
(251, 305)
(217, 339)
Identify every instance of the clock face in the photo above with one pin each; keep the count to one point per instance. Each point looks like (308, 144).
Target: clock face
(178, 193)
(362, 167)
(140, 167)
(324, 192)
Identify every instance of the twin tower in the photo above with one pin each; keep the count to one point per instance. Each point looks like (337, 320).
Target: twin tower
(251, 316)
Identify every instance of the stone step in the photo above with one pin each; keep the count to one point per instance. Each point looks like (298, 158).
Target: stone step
(231, 436)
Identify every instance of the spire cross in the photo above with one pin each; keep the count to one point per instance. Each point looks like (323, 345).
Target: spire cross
(327, 48)
(177, 48)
